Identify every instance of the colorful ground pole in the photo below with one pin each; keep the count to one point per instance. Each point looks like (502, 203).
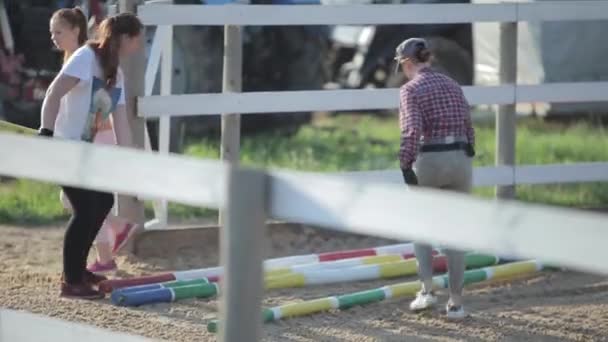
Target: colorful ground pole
(407, 289)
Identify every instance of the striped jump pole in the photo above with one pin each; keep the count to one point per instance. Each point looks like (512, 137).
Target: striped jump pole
(212, 273)
(389, 270)
(161, 288)
(408, 289)
(164, 293)
(129, 297)
(341, 264)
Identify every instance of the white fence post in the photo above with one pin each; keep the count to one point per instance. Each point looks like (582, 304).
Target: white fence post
(164, 126)
(161, 52)
(134, 69)
(506, 116)
(241, 255)
(232, 82)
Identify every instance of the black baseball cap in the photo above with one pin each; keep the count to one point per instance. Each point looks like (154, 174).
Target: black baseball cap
(408, 49)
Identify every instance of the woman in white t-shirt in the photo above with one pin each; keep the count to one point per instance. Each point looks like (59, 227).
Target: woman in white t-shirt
(90, 91)
(69, 32)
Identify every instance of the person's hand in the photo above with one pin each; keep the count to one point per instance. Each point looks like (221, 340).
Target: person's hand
(45, 132)
(470, 150)
(409, 176)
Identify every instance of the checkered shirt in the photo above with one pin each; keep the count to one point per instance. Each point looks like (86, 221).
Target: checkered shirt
(432, 106)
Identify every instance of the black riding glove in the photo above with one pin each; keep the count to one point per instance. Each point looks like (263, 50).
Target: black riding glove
(409, 176)
(470, 150)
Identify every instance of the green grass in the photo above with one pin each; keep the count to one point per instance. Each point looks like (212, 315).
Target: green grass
(358, 143)
(29, 202)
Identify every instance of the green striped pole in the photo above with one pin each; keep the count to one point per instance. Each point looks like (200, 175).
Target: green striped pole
(169, 292)
(346, 301)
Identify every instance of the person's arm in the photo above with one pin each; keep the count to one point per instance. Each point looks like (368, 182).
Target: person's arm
(122, 128)
(77, 69)
(410, 121)
(468, 123)
(50, 106)
(470, 131)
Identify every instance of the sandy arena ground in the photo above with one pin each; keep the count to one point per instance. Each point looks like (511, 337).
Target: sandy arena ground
(561, 306)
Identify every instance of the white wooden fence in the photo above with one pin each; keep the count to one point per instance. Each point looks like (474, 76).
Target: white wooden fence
(561, 236)
(165, 105)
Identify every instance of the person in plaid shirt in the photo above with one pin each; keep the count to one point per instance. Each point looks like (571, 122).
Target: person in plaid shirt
(437, 146)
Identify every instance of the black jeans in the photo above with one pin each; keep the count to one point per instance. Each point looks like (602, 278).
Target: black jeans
(89, 210)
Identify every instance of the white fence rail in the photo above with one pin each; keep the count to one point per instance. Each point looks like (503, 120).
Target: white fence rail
(265, 15)
(364, 99)
(563, 236)
(506, 175)
(341, 203)
(560, 236)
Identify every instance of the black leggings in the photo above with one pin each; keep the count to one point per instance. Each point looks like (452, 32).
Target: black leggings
(89, 210)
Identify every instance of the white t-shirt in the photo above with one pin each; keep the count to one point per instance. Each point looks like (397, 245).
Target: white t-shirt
(89, 103)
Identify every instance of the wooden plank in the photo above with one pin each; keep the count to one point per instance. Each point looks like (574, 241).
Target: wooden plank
(482, 176)
(18, 326)
(493, 175)
(563, 236)
(563, 92)
(562, 10)
(380, 176)
(359, 99)
(325, 14)
(295, 101)
(571, 238)
(489, 95)
(562, 173)
(502, 175)
(373, 14)
(78, 164)
(177, 178)
(267, 102)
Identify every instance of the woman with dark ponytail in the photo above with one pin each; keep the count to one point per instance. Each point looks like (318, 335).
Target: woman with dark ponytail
(437, 147)
(86, 96)
(69, 32)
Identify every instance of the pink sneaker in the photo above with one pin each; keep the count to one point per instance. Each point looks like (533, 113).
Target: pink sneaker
(123, 237)
(98, 267)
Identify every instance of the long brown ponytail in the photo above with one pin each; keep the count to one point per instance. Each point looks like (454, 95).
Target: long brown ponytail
(107, 45)
(75, 18)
